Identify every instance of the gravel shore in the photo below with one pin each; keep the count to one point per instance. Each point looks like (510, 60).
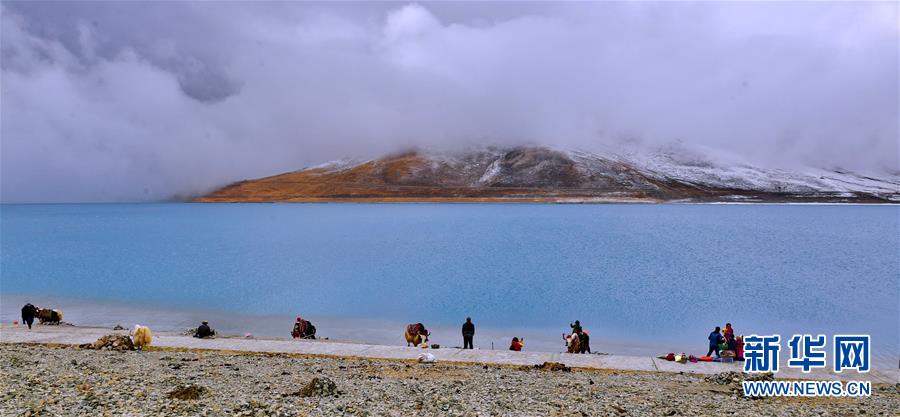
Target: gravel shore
(45, 380)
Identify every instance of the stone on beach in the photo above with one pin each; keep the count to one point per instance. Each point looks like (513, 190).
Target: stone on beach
(111, 342)
(729, 378)
(319, 387)
(190, 392)
(732, 380)
(553, 366)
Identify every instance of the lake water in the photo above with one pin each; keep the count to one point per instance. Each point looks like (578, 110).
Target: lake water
(641, 278)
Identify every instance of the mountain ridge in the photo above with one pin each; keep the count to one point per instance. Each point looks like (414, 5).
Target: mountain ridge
(541, 174)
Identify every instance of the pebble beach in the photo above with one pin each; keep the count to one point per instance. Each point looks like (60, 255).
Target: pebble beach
(37, 379)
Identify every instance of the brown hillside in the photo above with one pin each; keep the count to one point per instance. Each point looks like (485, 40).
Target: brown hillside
(518, 174)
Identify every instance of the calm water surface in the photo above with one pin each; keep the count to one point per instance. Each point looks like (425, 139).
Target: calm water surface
(655, 275)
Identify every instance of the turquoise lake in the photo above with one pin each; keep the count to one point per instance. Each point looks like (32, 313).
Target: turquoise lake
(656, 276)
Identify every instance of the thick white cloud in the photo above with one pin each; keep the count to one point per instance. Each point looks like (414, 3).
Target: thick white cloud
(142, 101)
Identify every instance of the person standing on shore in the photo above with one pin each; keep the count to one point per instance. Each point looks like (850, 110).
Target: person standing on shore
(715, 339)
(28, 313)
(468, 332)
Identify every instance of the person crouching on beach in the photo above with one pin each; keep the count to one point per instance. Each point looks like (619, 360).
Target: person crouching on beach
(516, 344)
(299, 328)
(204, 331)
(715, 339)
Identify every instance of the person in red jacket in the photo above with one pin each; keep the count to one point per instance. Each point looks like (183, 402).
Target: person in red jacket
(516, 344)
(729, 332)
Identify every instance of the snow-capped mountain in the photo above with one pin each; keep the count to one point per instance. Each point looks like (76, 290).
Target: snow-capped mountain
(544, 174)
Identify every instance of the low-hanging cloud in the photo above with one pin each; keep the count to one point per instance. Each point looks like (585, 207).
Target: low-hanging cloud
(144, 101)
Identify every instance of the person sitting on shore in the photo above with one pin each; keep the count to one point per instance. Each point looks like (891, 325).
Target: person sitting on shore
(715, 338)
(204, 331)
(517, 344)
(28, 313)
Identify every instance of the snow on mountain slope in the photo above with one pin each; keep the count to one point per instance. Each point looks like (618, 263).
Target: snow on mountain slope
(696, 169)
(692, 169)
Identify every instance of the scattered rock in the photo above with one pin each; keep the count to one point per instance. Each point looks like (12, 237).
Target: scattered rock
(553, 366)
(319, 387)
(270, 385)
(731, 378)
(111, 342)
(190, 392)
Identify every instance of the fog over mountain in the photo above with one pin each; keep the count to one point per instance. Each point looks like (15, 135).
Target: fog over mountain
(141, 101)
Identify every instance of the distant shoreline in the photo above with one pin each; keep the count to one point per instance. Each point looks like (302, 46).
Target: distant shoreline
(68, 335)
(541, 200)
(88, 313)
(519, 202)
(523, 201)
(531, 201)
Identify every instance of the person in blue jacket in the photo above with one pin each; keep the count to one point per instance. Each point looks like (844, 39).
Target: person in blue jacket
(715, 339)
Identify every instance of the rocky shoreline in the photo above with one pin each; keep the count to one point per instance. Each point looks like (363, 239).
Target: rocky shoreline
(55, 380)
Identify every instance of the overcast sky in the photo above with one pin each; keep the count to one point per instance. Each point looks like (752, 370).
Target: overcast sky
(130, 101)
